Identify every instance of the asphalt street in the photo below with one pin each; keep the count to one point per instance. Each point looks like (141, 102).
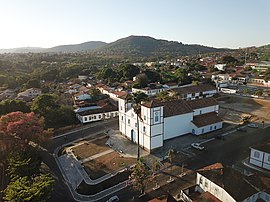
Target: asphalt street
(61, 192)
(230, 151)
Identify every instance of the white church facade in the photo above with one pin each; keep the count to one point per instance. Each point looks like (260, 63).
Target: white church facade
(160, 121)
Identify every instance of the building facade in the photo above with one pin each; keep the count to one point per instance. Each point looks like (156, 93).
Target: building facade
(160, 121)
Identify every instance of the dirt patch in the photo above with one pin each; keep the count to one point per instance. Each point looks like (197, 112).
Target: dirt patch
(234, 108)
(105, 164)
(90, 148)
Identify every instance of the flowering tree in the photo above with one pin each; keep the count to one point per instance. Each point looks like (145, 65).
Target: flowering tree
(17, 129)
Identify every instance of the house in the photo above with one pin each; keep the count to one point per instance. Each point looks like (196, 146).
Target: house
(218, 183)
(160, 121)
(221, 77)
(221, 67)
(262, 66)
(103, 110)
(260, 156)
(31, 93)
(7, 94)
(195, 92)
(150, 90)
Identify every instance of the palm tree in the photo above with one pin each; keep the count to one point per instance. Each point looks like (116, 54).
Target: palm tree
(140, 175)
(136, 99)
(171, 156)
(155, 169)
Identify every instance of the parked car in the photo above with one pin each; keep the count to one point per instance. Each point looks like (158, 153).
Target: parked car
(197, 146)
(253, 125)
(242, 129)
(113, 199)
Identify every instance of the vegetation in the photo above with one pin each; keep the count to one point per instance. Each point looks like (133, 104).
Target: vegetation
(9, 105)
(17, 129)
(140, 175)
(38, 189)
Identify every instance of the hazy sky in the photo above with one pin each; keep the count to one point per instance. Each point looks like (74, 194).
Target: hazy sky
(218, 23)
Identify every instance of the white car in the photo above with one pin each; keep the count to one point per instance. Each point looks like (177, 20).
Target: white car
(197, 146)
(113, 199)
(253, 125)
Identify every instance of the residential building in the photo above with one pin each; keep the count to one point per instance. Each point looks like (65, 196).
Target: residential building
(31, 93)
(220, 183)
(99, 112)
(221, 67)
(160, 121)
(195, 92)
(150, 90)
(260, 156)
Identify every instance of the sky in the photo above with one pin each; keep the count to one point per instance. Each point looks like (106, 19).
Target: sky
(216, 23)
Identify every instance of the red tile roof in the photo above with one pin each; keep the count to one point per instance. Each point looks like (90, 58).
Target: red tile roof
(194, 89)
(230, 180)
(201, 103)
(262, 147)
(206, 119)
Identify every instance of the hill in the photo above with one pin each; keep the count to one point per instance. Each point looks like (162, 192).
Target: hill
(87, 46)
(23, 50)
(148, 46)
(142, 46)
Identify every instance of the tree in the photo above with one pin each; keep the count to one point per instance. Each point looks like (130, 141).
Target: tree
(43, 104)
(32, 83)
(141, 80)
(9, 105)
(95, 93)
(171, 157)
(136, 99)
(166, 96)
(17, 129)
(258, 92)
(127, 71)
(156, 168)
(140, 175)
(36, 189)
(23, 163)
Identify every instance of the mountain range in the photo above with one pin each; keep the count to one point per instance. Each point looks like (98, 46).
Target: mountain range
(129, 46)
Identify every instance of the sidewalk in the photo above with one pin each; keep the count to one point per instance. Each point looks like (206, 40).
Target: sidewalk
(253, 167)
(78, 174)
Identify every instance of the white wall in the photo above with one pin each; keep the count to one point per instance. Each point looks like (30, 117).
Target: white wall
(206, 110)
(177, 125)
(256, 160)
(205, 129)
(213, 188)
(266, 162)
(97, 117)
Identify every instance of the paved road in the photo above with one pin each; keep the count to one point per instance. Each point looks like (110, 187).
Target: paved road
(231, 151)
(62, 192)
(91, 129)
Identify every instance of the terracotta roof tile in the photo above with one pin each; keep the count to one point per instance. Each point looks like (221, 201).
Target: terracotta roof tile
(206, 119)
(194, 89)
(176, 107)
(262, 147)
(201, 103)
(230, 180)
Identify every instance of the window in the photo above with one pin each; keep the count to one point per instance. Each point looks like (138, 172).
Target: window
(85, 118)
(99, 116)
(268, 158)
(94, 117)
(122, 118)
(211, 128)
(201, 180)
(121, 108)
(203, 130)
(136, 125)
(215, 127)
(206, 183)
(144, 129)
(129, 121)
(144, 117)
(200, 111)
(156, 117)
(257, 154)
